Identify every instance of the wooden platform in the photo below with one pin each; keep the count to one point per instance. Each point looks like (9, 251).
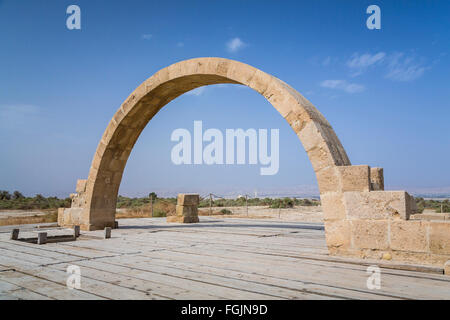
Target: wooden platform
(215, 259)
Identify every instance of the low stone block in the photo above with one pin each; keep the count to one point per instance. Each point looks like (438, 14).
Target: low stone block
(354, 178)
(409, 236)
(188, 199)
(107, 232)
(76, 231)
(368, 234)
(440, 237)
(188, 211)
(42, 238)
(15, 234)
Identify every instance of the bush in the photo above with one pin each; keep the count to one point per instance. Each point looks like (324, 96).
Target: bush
(225, 211)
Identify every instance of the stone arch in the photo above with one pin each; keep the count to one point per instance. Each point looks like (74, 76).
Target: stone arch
(360, 217)
(317, 136)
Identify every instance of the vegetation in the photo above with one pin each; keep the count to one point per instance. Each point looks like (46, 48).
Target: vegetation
(17, 201)
(436, 205)
(225, 211)
(273, 203)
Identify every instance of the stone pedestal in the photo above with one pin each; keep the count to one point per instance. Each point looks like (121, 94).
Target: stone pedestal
(186, 210)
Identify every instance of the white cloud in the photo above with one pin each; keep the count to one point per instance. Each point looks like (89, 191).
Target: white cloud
(147, 36)
(404, 68)
(235, 44)
(342, 85)
(196, 92)
(359, 63)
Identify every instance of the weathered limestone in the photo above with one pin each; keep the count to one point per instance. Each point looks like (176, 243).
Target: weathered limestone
(447, 268)
(107, 232)
(42, 238)
(360, 217)
(76, 231)
(376, 179)
(186, 209)
(15, 234)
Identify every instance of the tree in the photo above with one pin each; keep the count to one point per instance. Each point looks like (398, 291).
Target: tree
(152, 195)
(5, 195)
(17, 195)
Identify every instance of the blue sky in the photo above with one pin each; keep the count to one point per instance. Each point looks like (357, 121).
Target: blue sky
(386, 92)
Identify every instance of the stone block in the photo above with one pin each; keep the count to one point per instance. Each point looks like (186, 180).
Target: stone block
(440, 237)
(184, 199)
(320, 157)
(376, 179)
(368, 234)
(327, 179)
(81, 185)
(337, 234)
(14, 234)
(332, 206)
(311, 135)
(377, 205)
(408, 235)
(42, 238)
(354, 178)
(107, 232)
(76, 231)
(188, 211)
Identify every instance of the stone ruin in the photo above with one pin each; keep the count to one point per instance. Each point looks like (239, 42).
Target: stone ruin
(186, 209)
(361, 218)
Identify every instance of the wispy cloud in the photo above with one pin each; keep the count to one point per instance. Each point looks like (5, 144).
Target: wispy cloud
(404, 68)
(342, 85)
(180, 44)
(197, 92)
(147, 36)
(359, 63)
(235, 44)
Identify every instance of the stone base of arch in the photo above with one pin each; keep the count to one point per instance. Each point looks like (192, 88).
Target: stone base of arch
(361, 219)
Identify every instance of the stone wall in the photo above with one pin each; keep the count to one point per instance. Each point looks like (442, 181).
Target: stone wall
(365, 221)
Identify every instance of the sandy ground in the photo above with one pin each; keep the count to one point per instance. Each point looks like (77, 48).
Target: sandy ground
(6, 214)
(298, 213)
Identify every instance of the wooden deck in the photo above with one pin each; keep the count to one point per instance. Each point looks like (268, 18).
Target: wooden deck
(215, 259)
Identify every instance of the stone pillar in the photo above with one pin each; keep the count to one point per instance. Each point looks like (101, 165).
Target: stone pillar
(186, 209)
(376, 179)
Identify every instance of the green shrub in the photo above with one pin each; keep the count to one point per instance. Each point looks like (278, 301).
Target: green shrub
(225, 211)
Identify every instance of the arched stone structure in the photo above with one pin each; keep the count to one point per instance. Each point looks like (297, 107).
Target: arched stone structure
(352, 196)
